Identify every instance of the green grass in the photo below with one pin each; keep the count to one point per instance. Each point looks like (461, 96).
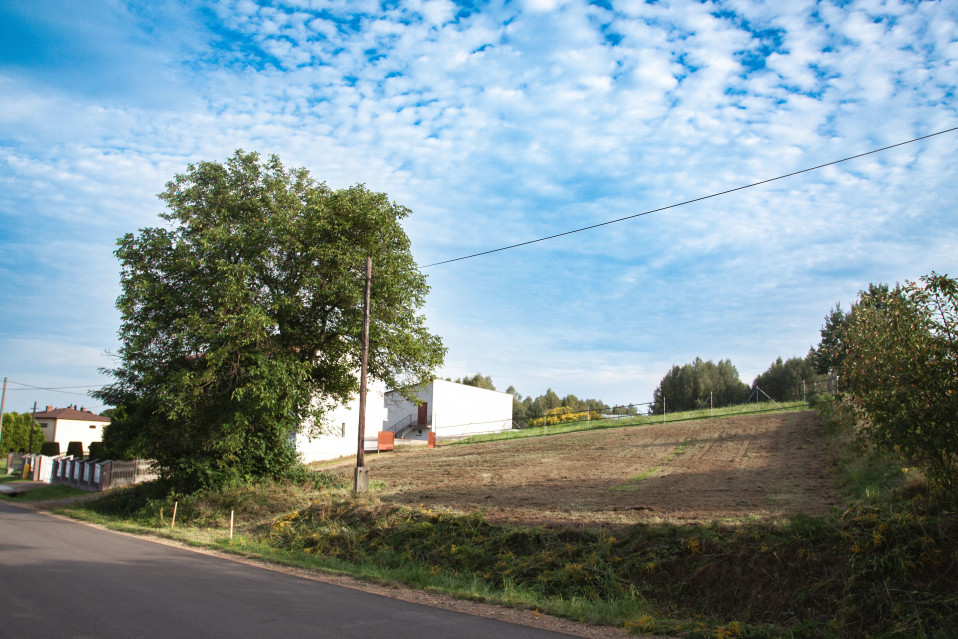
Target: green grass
(633, 420)
(884, 566)
(648, 472)
(45, 493)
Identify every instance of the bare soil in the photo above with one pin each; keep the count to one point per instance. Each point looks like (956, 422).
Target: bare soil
(744, 467)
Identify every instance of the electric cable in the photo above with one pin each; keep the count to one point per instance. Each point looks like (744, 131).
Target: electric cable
(698, 199)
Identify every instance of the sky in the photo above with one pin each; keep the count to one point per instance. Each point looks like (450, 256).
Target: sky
(497, 123)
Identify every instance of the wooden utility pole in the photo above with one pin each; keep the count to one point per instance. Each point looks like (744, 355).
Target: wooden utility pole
(3, 400)
(361, 476)
(33, 421)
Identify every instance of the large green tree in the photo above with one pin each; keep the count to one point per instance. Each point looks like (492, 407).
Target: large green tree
(899, 370)
(829, 355)
(242, 317)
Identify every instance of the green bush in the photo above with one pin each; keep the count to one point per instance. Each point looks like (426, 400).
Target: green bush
(75, 449)
(96, 450)
(896, 353)
(16, 435)
(50, 449)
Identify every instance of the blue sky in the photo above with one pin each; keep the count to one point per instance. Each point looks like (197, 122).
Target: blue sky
(496, 123)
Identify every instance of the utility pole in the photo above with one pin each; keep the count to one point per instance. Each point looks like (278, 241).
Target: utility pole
(361, 476)
(33, 420)
(3, 400)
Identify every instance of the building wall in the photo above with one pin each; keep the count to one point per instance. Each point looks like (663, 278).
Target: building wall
(453, 410)
(341, 427)
(399, 408)
(65, 431)
(466, 410)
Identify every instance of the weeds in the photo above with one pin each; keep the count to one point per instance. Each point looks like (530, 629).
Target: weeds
(883, 566)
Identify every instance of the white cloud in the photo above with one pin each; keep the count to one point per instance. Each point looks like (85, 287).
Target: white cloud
(517, 121)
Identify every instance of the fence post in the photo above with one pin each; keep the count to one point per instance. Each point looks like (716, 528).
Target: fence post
(106, 475)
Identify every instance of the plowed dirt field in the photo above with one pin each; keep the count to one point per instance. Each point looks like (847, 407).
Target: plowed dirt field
(764, 466)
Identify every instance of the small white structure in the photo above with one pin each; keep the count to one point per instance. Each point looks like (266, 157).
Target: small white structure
(340, 436)
(449, 410)
(71, 424)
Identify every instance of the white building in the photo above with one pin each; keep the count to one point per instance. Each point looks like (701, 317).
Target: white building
(71, 424)
(340, 436)
(449, 410)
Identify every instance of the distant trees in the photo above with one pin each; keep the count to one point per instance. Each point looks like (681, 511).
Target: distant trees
(687, 387)
(478, 380)
(549, 406)
(15, 436)
(786, 380)
(896, 355)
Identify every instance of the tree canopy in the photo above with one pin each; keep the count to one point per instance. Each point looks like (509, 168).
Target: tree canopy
(478, 380)
(791, 379)
(687, 387)
(242, 317)
(896, 356)
(15, 436)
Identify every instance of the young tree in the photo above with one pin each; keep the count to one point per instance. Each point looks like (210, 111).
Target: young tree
(15, 436)
(900, 371)
(242, 317)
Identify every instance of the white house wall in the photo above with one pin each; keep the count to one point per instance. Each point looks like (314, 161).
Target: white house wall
(65, 431)
(399, 408)
(341, 427)
(453, 410)
(467, 410)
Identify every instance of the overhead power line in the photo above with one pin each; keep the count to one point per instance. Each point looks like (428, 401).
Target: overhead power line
(55, 389)
(692, 201)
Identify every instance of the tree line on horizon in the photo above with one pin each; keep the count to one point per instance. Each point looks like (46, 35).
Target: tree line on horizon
(684, 387)
(529, 410)
(702, 383)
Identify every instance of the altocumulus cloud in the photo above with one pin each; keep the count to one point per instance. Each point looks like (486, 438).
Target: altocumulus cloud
(498, 123)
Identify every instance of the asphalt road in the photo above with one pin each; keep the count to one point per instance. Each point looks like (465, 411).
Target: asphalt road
(63, 579)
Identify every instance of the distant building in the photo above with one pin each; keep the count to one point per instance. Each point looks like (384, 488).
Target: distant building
(340, 436)
(71, 424)
(449, 410)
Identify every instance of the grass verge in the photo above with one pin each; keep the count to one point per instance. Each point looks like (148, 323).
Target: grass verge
(45, 493)
(885, 566)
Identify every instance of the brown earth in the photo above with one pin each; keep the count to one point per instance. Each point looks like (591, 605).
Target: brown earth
(743, 467)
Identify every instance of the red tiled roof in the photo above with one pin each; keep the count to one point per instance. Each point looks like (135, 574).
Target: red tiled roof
(72, 413)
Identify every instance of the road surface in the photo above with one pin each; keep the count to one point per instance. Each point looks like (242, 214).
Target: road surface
(64, 579)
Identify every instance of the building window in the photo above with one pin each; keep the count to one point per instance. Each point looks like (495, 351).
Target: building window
(92, 425)
(342, 433)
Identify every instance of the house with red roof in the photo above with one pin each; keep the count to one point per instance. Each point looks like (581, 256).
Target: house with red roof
(71, 424)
